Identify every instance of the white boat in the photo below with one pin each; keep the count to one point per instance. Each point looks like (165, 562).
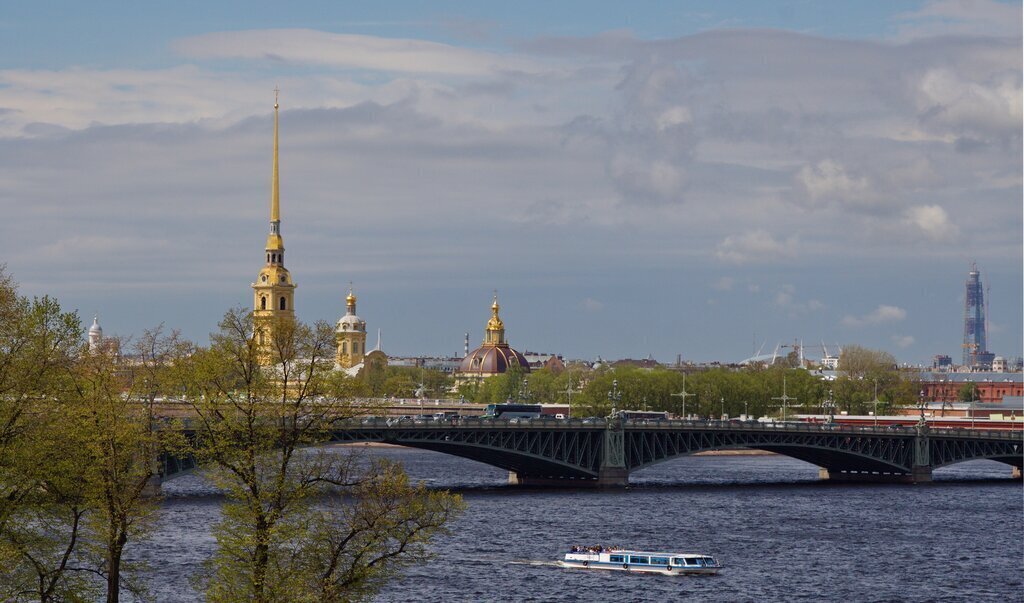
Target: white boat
(648, 562)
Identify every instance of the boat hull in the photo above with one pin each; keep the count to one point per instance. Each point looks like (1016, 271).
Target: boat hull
(640, 569)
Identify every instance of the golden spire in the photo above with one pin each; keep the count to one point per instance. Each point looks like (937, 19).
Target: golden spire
(275, 186)
(274, 241)
(495, 332)
(350, 301)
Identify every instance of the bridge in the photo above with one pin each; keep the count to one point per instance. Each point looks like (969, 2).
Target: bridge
(603, 452)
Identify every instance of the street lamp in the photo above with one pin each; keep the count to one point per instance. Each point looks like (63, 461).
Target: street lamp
(784, 398)
(722, 416)
(876, 401)
(683, 394)
(830, 403)
(569, 392)
(614, 396)
(920, 405)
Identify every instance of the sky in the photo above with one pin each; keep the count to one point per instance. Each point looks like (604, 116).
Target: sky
(694, 179)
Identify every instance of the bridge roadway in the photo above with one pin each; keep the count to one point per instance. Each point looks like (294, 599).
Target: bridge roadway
(603, 452)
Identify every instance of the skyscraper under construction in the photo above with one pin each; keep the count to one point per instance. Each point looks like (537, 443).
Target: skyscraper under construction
(975, 344)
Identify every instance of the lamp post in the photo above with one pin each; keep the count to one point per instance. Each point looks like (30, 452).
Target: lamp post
(614, 396)
(876, 401)
(784, 398)
(683, 394)
(568, 393)
(745, 415)
(921, 405)
(974, 398)
(830, 403)
(721, 417)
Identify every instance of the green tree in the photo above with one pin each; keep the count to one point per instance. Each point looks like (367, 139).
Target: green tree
(286, 524)
(968, 392)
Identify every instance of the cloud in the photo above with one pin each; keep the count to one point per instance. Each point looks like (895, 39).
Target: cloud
(961, 17)
(983, 106)
(349, 51)
(591, 305)
(755, 246)
(724, 283)
(785, 298)
(882, 314)
(902, 341)
(828, 181)
(932, 221)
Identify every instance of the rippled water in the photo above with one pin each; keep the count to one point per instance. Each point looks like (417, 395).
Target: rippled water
(782, 534)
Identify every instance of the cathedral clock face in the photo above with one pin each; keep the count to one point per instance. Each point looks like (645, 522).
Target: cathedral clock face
(264, 278)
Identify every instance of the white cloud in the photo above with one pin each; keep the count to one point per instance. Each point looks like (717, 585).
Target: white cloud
(828, 181)
(932, 221)
(755, 246)
(882, 314)
(724, 283)
(902, 341)
(965, 104)
(674, 116)
(350, 51)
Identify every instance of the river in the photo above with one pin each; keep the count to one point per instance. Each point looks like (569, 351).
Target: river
(782, 534)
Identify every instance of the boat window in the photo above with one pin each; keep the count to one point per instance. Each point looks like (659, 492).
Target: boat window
(617, 558)
(635, 559)
(678, 561)
(693, 561)
(709, 561)
(659, 560)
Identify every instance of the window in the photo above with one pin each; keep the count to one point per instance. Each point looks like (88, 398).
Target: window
(691, 561)
(659, 560)
(636, 559)
(282, 303)
(263, 304)
(617, 558)
(678, 561)
(261, 338)
(344, 347)
(355, 347)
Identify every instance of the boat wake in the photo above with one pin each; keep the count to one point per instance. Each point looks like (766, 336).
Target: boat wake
(536, 563)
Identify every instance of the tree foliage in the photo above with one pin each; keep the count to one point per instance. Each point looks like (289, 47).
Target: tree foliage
(76, 453)
(300, 523)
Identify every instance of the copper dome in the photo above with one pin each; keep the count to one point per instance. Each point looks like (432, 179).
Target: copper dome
(492, 360)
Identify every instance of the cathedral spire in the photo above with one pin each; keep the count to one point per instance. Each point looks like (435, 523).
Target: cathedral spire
(273, 291)
(275, 186)
(275, 244)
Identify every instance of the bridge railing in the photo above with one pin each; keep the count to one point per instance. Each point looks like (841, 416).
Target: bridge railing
(671, 424)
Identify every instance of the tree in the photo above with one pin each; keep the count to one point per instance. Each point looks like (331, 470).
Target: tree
(288, 532)
(64, 522)
(857, 362)
(968, 392)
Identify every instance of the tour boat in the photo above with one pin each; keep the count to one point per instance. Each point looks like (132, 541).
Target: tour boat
(648, 562)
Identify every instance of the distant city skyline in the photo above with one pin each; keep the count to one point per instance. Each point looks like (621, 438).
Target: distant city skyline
(702, 180)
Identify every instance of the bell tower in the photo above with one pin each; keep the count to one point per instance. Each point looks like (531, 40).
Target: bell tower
(350, 336)
(273, 291)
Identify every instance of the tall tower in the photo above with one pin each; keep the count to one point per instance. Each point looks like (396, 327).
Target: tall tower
(350, 336)
(273, 291)
(975, 344)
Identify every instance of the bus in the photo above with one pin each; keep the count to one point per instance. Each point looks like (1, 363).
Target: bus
(511, 411)
(643, 415)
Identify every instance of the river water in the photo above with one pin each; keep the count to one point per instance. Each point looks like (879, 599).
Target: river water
(783, 535)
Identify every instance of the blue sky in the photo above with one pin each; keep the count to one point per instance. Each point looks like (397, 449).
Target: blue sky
(697, 178)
